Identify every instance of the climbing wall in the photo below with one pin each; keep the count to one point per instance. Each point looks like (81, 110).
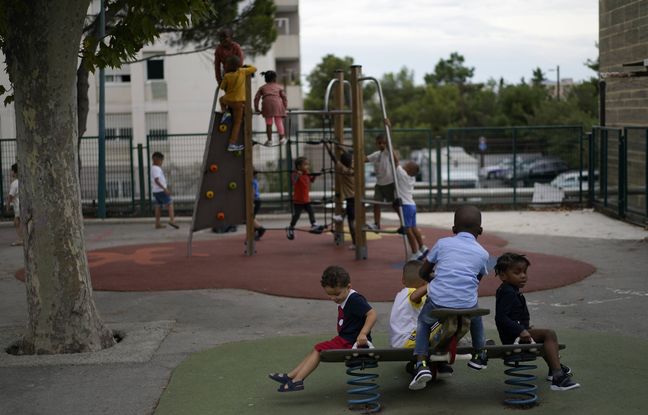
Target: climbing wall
(221, 200)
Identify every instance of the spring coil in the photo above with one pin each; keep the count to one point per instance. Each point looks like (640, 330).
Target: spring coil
(362, 386)
(525, 390)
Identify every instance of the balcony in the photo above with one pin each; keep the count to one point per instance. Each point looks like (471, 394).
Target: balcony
(287, 5)
(287, 47)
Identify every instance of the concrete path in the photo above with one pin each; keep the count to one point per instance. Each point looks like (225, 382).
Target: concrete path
(613, 301)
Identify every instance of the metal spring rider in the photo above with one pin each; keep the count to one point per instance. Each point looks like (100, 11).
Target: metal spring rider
(524, 392)
(363, 389)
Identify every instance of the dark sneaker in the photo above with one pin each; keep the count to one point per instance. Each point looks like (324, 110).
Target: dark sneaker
(565, 369)
(479, 361)
(563, 382)
(259, 233)
(290, 233)
(444, 370)
(422, 376)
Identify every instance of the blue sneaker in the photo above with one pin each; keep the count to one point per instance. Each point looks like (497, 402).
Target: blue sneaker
(235, 147)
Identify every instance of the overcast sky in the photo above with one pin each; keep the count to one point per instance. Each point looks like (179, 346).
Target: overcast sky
(499, 38)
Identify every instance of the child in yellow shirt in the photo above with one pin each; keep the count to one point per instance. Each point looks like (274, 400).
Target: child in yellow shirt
(233, 85)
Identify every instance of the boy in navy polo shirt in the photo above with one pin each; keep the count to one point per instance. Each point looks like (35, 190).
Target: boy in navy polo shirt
(459, 263)
(512, 319)
(354, 323)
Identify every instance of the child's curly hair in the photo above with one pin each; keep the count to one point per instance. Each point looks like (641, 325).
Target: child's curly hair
(507, 259)
(335, 276)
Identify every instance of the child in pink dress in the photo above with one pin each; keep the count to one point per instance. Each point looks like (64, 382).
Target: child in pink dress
(273, 106)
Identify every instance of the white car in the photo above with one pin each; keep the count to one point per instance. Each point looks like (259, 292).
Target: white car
(570, 180)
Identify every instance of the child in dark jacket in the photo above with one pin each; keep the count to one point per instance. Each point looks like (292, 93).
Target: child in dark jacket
(513, 320)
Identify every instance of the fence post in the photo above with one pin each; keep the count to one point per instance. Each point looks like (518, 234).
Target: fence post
(580, 166)
(439, 200)
(2, 207)
(590, 170)
(514, 145)
(429, 168)
(140, 173)
(623, 179)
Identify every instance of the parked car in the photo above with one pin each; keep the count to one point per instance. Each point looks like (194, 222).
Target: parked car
(570, 180)
(497, 171)
(539, 170)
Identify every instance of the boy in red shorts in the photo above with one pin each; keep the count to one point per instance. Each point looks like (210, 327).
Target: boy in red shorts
(355, 320)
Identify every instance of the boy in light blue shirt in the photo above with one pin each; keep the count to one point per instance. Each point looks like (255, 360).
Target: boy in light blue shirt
(459, 263)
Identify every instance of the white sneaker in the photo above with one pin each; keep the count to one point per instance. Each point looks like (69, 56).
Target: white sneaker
(415, 255)
(424, 248)
(283, 140)
(352, 247)
(337, 218)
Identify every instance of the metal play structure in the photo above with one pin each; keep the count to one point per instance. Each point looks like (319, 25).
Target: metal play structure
(225, 196)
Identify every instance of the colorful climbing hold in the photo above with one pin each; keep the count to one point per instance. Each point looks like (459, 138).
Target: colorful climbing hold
(232, 185)
(213, 168)
(209, 194)
(220, 216)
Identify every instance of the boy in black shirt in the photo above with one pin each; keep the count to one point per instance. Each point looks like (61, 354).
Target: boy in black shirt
(512, 318)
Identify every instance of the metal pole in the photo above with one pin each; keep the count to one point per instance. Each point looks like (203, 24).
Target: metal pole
(602, 91)
(558, 82)
(357, 128)
(338, 98)
(249, 169)
(101, 186)
(140, 171)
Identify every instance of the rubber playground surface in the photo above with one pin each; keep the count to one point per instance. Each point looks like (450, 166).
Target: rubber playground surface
(293, 268)
(232, 379)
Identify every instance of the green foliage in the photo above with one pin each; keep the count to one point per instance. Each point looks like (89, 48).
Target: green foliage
(130, 25)
(253, 26)
(318, 80)
(450, 71)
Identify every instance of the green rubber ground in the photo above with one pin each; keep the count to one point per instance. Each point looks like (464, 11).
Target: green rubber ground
(232, 379)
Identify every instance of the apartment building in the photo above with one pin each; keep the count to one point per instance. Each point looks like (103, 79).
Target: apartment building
(166, 95)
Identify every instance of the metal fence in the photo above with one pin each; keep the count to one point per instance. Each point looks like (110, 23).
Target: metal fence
(618, 181)
(487, 166)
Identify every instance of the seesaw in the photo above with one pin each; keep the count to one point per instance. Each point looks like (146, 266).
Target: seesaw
(454, 324)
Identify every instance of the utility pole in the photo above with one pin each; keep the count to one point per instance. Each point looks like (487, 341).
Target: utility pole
(558, 82)
(101, 151)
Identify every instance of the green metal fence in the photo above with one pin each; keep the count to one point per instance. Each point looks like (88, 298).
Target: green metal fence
(618, 172)
(487, 166)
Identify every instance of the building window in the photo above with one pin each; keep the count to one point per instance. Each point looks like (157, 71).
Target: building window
(156, 126)
(155, 69)
(119, 126)
(118, 75)
(283, 25)
(127, 188)
(112, 189)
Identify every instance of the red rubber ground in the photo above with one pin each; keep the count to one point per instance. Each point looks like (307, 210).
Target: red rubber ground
(293, 268)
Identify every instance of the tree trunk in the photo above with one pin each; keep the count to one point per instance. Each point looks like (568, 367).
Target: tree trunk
(42, 45)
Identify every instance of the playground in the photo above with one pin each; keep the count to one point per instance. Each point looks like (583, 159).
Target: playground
(223, 310)
(224, 341)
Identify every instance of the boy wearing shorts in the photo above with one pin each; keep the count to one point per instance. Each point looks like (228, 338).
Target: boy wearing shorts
(161, 192)
(355, 319)
(406, 176)
(385, 188)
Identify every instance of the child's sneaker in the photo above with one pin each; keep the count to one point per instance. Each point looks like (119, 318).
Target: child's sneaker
(315, 227)
(225, 116)
(268, 143)
(337, 218)
(444, 370)
(563, 382)
(415, 255)
(290, 233)
(422, 376)
(282, 140)
(373, 227)
(565, 369)
(479, 360)
(259, 233)
(235, 147)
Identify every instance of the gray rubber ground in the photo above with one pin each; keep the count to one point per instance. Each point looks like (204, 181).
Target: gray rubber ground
(612, 301)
